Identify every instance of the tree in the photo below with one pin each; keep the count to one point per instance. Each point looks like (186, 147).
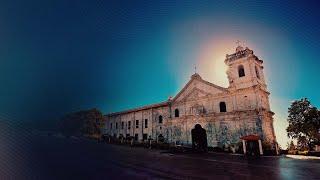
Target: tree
(302, 143)
(304, 122)
(291, 146)
(85, 122)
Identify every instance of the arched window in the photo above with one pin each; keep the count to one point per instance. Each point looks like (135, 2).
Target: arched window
(176, 113)
(241, 71)
(160, 119)
(223, 107)
(257, 72)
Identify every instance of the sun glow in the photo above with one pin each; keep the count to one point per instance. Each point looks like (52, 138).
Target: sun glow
(211, 58)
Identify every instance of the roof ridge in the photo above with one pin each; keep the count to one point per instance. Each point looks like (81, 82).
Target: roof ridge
(195, 76)
(138, 108)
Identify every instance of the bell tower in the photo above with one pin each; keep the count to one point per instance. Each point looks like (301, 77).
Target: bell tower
(248, 86)
(244, 69)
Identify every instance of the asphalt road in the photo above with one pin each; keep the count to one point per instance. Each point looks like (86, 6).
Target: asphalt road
(49, 157)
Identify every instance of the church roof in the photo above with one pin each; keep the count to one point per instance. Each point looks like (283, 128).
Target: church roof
(139, 108)
(195, 76)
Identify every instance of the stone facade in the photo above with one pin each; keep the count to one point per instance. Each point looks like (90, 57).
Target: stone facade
(226, 113)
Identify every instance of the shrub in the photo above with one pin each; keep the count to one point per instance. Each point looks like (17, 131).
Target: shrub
(303, 153)
(294, 152)
(284, 152)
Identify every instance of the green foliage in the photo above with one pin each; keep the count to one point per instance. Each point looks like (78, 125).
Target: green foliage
(304, 122)
(86, 122)
(291, 146)
(302, 143)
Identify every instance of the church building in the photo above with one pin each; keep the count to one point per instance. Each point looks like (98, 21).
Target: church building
(227, 114)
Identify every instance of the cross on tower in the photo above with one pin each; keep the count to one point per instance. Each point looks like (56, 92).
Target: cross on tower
(195, 69)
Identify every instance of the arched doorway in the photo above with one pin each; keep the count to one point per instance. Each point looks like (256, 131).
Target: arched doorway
(199, 139)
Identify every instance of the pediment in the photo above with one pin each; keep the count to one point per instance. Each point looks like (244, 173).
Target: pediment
(198, 88)
(195, 94)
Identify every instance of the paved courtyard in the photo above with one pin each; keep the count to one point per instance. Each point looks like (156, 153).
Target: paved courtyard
(49, 157)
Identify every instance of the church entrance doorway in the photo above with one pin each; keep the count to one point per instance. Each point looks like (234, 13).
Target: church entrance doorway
(199, 139)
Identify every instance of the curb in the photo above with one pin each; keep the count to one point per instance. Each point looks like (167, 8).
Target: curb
(237, 154)
(302, 157)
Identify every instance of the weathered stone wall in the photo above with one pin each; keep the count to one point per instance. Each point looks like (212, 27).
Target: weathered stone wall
(242, 118)
(222, 128)
(246, 99)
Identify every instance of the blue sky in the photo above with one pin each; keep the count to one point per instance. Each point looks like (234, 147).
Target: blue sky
(61, 56)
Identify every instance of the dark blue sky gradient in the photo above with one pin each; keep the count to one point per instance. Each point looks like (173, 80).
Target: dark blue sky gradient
(60, 56)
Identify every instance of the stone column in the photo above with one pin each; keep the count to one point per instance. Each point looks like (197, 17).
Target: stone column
(244, 146)
(260, 147)
(277, 148)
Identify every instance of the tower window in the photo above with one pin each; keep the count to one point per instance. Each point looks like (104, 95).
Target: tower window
(129, 124)
(176, 113)
(223, 107)
(137, 123)
(257, 72)
(110, 125)
(241, 71)
(122, 125)
(116, 125)
(160, 119)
